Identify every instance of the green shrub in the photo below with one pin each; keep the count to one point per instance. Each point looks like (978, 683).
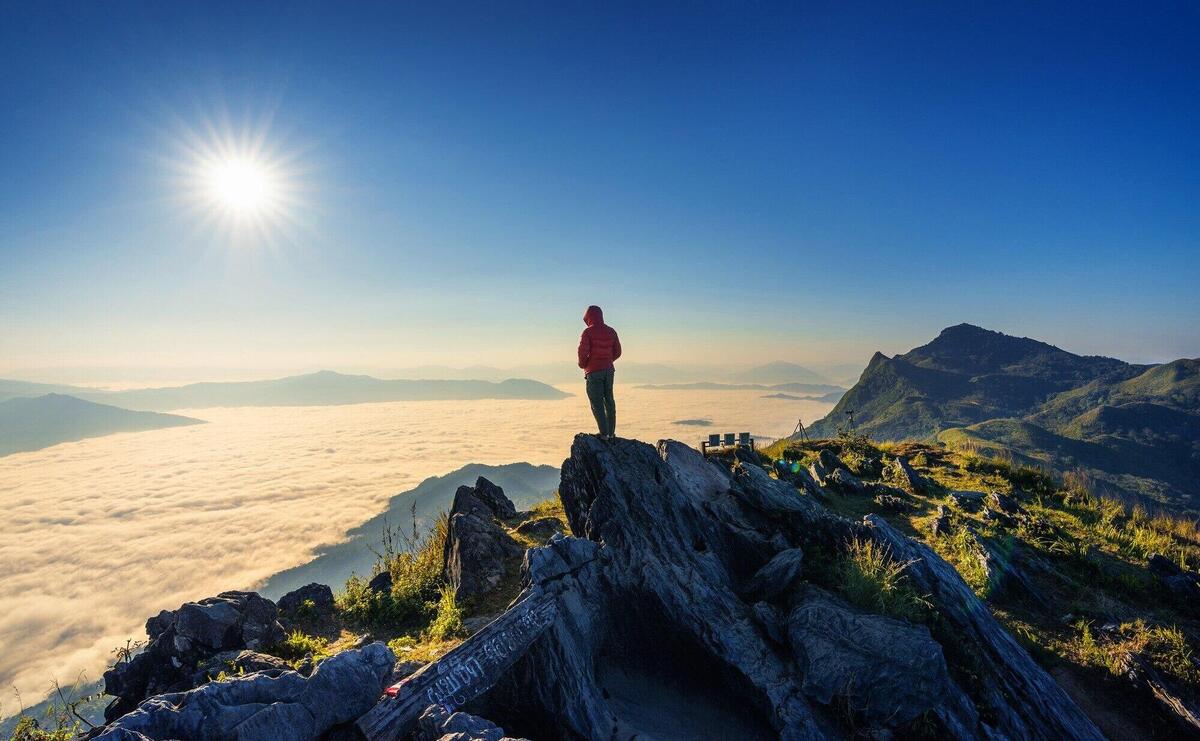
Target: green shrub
(297, 645)
(871, 579)
(448, 622)
(415, 565)
(28, 729)
(1165, 647)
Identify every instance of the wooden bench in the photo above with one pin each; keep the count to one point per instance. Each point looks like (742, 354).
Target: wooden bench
(728, 440)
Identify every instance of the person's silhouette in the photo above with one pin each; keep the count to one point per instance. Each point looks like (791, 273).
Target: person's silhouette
(599, 346)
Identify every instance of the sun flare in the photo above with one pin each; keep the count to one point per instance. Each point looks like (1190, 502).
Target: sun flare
(240, 185)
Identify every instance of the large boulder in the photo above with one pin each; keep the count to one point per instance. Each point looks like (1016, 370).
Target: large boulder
(478, 548)
(309, 601)
(261, 707)
(493, 496)
(888, 671)
(184, 639)
(842, 480)
(902, 474)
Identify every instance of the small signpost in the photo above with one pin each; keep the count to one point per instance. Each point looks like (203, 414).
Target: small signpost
(465, 672)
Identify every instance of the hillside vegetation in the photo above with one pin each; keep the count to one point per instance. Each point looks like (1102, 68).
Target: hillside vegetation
(1134, 429)
(1077, 577)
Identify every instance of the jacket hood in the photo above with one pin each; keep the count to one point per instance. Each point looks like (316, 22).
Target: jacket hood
(593, 316)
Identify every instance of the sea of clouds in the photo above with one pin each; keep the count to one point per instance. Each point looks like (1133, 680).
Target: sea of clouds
(100, 534)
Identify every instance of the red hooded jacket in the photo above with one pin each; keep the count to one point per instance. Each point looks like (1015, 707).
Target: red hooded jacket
(599, 345)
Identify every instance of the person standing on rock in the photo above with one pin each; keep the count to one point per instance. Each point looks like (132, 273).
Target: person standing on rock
(599, 346)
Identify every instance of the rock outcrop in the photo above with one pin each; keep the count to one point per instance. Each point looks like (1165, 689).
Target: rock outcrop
(679, 609)
(262, 707)
(182, 640)
(309, 601)
(1184, 585)
(902, 474)
(477, 546)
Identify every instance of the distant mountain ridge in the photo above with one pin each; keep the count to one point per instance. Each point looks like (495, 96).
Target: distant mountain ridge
(1134, 428)
(33, 423)
(323, 388)
(823, 389)
(525, 484)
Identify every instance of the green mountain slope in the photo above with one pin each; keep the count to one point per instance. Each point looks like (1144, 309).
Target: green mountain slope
(1135, 429)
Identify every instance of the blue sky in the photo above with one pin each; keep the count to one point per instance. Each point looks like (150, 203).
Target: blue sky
(734, 184)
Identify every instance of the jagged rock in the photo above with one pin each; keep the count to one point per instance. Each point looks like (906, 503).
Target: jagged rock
(778, 575)
(493, 496)
(771, 619)
(870, 467)
(900, 473)
(477, 547)
(891, 503)
(438, 724)
(967, 500)
(827, 462)
(830, 460)
(845, 482)
(260, 707)
(381, 583)
(644, 624)
(403, 669)
(183, 639)
(1182, 584)
(542, 527)
(890, 672)
(296, 604)
(1003, 503)
(1024, 700)
(238, 662)
(798, 476)
(940, 525)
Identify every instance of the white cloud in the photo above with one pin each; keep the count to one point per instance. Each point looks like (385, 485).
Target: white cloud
(101, 534)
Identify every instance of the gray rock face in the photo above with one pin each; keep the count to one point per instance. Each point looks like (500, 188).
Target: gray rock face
(238, 662)
(493, 496)
(845, 482)
(542, 527)
(889, 671)
(187, 638)
(1003, 503)
(260, 707)
(297, 602)
(658, 619)
(967, 500)
(381, 583)
(827, 462)
(1183, 584)
(476, 545)
(900, 473)
(438, 724)
(778, 576)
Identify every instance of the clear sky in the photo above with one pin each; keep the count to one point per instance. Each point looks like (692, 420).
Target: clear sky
(454, 183)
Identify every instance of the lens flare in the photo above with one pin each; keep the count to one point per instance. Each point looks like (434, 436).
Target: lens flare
(242, 184)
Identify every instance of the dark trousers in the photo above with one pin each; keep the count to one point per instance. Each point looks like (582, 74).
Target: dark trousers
(600, 394)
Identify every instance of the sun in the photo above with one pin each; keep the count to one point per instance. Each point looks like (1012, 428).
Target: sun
(241, 185)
